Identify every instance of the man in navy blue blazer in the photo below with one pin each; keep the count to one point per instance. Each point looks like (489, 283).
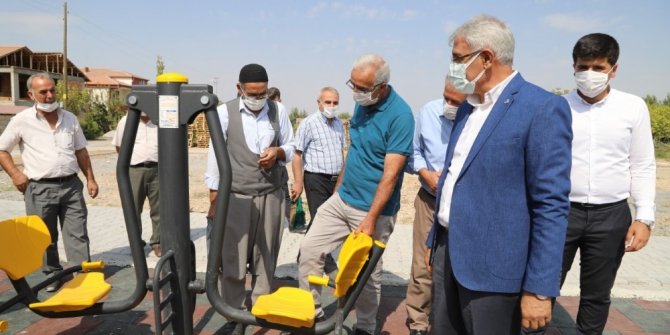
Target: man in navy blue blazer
(503, 193)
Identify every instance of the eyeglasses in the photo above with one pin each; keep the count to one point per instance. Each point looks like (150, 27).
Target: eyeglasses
(361, 89)
(257, 96)
(462, 59)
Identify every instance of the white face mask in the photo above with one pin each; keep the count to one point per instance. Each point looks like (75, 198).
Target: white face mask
(329, 112)
(591, 83)
(449, 111)
(46, 107)
(457, 76)
(365, 99)
(253, 104)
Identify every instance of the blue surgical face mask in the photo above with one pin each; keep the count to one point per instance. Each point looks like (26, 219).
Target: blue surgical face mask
(457, 76)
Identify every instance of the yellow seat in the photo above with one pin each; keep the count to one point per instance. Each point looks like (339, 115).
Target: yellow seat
(289, 306)
(23, 241)
(81, 292)
(354, 254)
(30, 236)
(294, 307)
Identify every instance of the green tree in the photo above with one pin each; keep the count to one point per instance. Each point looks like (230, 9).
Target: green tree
(560, 91)
(344, 116)
(650, 100)
(160, 66)
(659, 113)
(296, 114)
(660, 122)
(95, 118)
(666, 101)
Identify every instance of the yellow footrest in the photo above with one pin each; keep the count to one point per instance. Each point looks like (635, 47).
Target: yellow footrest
(81, 292)
(288, 306)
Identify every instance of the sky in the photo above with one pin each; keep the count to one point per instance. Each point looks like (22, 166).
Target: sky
(306, 45)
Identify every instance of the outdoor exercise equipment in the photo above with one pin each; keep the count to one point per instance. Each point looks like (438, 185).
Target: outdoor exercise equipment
(172, 104)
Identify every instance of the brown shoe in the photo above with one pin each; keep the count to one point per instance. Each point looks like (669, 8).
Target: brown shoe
(157, 250)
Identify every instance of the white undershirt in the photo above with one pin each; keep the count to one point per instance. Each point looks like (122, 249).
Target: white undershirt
(465, 141)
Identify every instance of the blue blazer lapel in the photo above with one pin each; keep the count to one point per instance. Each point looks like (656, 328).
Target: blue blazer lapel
(501, 106)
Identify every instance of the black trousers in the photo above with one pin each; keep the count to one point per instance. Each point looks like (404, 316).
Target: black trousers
(318, 188)
(458, 310)
(599, 234)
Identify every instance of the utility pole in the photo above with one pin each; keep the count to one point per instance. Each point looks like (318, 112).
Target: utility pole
(65, 55)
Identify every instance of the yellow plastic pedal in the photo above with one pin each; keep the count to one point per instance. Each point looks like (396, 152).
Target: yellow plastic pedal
(353, 256)
(92, 266)
(80, 293)
(4, 325)
(288, 306)
(318, 280)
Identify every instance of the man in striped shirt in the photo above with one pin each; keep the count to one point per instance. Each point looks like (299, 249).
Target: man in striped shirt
(318, 154)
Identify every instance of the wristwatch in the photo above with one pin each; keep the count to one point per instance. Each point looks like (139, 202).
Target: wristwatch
(650, 223)
(542, 297)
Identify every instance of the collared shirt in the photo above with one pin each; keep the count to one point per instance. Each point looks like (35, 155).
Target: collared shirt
(258, 133)
(383, 128)
(465, 141)
(46, 152)
(431, 137)
(321, 143)
(146, 141)
(613, 152)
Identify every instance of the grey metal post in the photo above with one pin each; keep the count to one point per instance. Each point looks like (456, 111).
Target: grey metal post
(174, 209)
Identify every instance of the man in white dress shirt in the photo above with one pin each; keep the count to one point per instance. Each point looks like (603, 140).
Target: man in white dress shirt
(259, 138)
(144, 173)
(612, 159)
(53, 150)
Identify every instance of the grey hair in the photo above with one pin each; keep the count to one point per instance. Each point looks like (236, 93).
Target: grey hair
(486, 31)
(383, 71)
(328, 89)
(41, 75)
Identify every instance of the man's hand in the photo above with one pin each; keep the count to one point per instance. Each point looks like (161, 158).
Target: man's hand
(268, 158)
(20, 180)
(535, 313)
(296, 191)
(426, 258)
(367, 226)
(430, 178)
(92, 187)
(210, 211)
(637, 237)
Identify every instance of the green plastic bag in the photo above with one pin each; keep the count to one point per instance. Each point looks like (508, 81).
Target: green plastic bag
(297, 216)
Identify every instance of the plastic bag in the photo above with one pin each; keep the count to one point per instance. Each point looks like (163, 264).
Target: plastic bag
(297, 222)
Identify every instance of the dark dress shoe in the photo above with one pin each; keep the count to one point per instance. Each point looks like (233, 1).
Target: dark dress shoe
(233, 328)
(418, 332)
(361, 332)
(53, 287)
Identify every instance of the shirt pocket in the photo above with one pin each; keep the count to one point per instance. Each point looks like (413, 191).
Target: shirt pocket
(65, 139)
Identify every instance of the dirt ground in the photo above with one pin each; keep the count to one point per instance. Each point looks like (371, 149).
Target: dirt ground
(104, 166)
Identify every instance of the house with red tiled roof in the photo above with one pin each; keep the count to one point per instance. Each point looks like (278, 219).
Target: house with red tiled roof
(17, 64)
(106, 83)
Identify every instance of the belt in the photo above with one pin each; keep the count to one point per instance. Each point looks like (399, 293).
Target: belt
(146, 164)
(331, 177)
(55, 179)
(586, 206)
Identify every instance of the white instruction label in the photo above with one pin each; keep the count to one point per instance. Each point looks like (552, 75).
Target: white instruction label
(168, 111)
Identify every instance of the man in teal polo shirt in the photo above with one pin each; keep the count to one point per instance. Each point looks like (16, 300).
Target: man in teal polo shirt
(367, 196)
